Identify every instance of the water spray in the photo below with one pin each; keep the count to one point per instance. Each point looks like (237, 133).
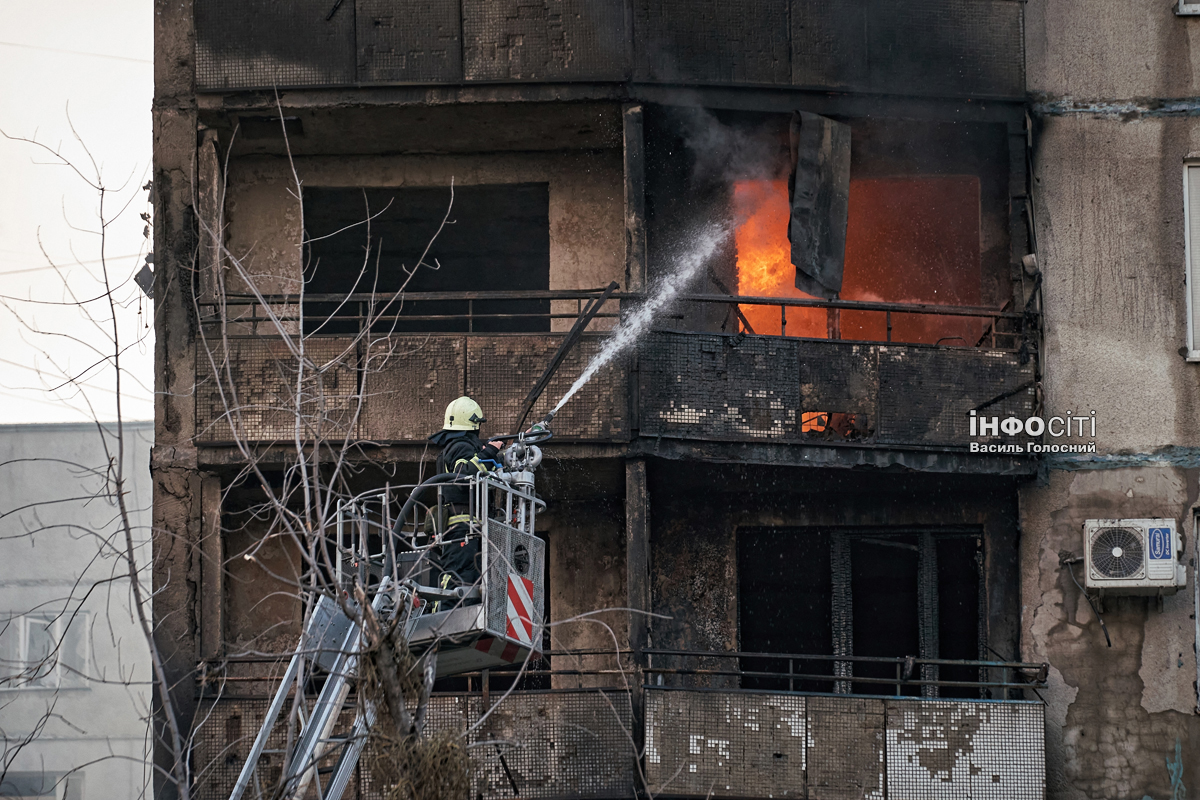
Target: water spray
(662, 293)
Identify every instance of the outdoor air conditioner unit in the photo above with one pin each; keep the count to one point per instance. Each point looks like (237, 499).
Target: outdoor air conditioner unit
(1133, 556)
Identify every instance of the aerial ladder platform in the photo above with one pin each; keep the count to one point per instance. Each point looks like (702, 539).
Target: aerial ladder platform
(494, 622)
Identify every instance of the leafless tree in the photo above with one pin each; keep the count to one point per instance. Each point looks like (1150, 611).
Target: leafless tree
(287, 493)
(89, 516)
(293, 488)
(297, 507)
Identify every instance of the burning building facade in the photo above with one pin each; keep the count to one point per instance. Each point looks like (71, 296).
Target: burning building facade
(783, 558)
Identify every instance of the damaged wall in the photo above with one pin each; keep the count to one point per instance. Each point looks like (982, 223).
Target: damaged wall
(695, 518)
(263, 609)
(586, 215)
(587, 575)
(1114, 715)
(176, 509)
(1108, 190)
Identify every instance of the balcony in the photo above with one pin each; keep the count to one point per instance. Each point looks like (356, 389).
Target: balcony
(759, 744)
(703, 736)
(744, 393)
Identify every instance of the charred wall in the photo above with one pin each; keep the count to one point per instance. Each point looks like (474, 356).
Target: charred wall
(584, 223)
(933, 47)
(695, 519)
(909, 179)
(587, 583)
(263, 571)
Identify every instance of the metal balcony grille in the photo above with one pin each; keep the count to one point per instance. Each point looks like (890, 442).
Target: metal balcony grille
(573, 744)
(270, 395)
(503, 542)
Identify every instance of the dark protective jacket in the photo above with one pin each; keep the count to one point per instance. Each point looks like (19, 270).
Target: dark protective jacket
(463, 453)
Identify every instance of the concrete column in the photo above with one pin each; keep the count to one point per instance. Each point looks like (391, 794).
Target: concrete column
(635, 199)
(173, 466)
(637, 566)
(635, 232)
(212, 570)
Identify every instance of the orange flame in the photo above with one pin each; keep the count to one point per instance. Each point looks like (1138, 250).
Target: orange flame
(908, 240)
(764, 260)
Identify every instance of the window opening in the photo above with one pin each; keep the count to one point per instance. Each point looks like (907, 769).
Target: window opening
(497, 238)
(43, 651)
(1191, 208)
(861, 592)
(912, 239)
(927, 223)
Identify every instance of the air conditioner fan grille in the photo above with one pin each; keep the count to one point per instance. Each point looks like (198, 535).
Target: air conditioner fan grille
(1117, 552)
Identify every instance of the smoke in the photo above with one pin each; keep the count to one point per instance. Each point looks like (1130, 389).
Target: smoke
(687, 266)
(724, 153)
(728, 152)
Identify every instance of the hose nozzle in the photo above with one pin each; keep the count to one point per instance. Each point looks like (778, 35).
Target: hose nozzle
(539, 431)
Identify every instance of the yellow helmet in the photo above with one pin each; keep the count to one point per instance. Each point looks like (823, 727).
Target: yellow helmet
(464, 414)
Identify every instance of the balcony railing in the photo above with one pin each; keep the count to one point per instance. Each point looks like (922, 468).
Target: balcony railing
(469, 312)
(715, 741)
(687, 380)
(846, 674)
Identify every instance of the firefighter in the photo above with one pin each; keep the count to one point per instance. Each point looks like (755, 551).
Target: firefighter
(463, 453)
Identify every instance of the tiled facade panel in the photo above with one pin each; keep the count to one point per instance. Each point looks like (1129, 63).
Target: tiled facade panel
(544, 40)
(260, 44)
(933, 47)
(724, 744)
(712, 41)
(758, 744)
(502, 369)
(409, 42)
(408, 382)
(572, 744)
(707, 386)
(270, 393)
(926, 395)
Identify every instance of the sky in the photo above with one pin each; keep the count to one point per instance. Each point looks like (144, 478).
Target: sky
(83, 65)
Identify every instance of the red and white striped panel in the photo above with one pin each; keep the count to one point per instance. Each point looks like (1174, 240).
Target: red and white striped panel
(520, 609)
(498, 648)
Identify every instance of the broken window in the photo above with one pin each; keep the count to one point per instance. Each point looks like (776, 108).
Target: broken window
(924, 220)
(497, 238)
(885, 593)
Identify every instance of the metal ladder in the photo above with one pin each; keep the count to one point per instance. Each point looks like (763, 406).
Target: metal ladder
(331, 640)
